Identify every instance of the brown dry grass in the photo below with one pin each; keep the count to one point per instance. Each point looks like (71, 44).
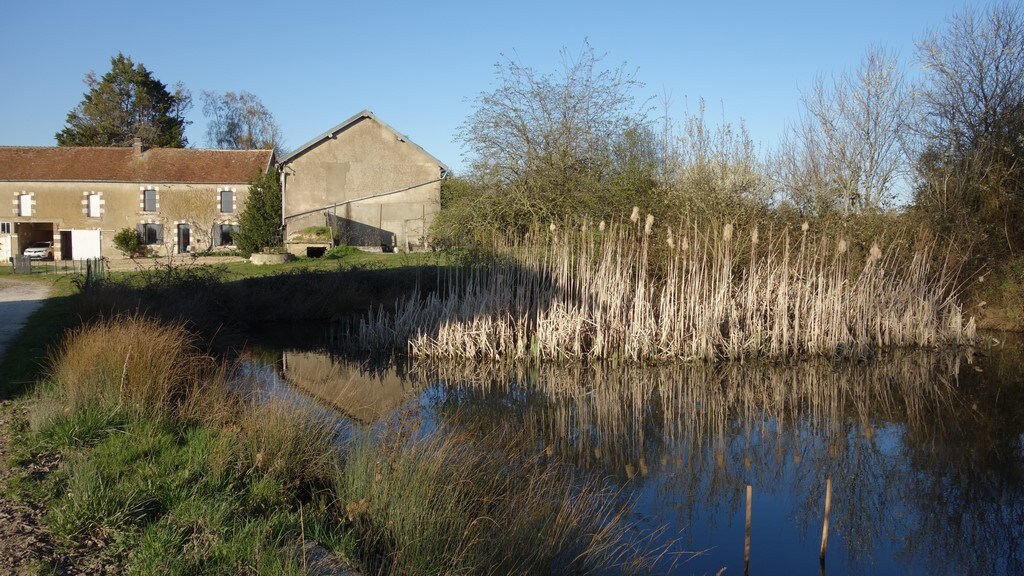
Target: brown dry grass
(634, 293)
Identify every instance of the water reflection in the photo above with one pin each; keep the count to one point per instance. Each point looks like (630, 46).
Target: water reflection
(357, 390)
(925, 453)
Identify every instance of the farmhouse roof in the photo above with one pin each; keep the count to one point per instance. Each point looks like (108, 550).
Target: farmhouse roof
(130, 164)
(333, 132)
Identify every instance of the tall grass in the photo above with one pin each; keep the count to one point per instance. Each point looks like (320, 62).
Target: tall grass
(634, 293)
(453, 503)
(173, 464)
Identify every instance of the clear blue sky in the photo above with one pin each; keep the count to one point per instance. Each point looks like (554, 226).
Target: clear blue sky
(419, 64)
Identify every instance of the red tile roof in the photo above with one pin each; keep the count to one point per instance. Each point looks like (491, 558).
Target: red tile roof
(81, 164)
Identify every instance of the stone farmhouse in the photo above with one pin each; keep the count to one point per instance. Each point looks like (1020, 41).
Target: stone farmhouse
(177, 199)
(366, 183)
(361, 183)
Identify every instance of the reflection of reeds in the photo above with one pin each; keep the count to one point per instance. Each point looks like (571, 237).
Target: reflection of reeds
(619, 413)
(702, 433)
(580, 294)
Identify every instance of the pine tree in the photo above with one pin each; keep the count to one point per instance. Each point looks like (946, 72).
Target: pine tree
(127, 102)
(259, 224)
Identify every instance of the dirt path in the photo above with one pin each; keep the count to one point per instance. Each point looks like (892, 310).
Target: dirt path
(26, 546)
(18, 299)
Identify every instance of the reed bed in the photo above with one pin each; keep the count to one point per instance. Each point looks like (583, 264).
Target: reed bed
(633, 293)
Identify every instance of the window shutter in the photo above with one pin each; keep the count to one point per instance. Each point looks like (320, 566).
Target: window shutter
(159, 233)
(140, 229)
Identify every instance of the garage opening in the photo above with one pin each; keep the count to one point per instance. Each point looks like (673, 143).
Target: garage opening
(31, 232)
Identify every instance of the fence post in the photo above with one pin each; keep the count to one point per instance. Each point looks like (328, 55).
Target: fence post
(746, 538)
(824, 527)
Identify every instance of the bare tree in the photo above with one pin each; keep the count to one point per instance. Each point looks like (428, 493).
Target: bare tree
(544, 142)
(975, 77)
(719, 161)
(971, 175)
(240, 122)
(845, 151)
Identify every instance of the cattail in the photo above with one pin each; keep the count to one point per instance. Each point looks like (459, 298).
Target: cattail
(841, 249)
(648, 224)
(753, 236)
(805, 227)
(552, 227)
(727, 233)
(635, 216)
(671, 243)
(600, 226)
(876, 252)
(684, 245)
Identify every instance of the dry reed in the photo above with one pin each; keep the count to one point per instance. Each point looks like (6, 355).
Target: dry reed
(623, 292)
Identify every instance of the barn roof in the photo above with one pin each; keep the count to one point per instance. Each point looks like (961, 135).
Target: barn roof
(333, 132)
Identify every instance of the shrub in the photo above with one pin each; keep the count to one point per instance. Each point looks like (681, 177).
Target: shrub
(127, 241)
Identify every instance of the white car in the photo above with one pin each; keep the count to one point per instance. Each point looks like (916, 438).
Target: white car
(40, 251)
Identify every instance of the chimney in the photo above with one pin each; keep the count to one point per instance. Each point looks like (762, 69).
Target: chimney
(137, 145)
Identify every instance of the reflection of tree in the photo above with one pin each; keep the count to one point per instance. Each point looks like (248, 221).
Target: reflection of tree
(913, 465)
(967, 477)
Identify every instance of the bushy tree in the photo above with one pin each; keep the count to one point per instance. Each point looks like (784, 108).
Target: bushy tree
(127, 102)
(259, 224)
(971, 162)
(241, 122)
(545, 146)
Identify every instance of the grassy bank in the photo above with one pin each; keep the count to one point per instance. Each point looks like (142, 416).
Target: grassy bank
(173, 463)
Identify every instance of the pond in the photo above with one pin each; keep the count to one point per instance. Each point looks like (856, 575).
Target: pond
(924, 450)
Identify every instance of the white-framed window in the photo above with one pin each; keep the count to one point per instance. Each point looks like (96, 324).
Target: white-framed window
(25, 205)
(149, 200)
(5, 227)
(227, 201)
(92, 209)
(224, 234)
(150, 233)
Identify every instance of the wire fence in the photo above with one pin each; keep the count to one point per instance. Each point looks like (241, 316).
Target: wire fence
(92, 268)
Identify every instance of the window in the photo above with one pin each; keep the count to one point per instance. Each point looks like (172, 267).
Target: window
(150, 234)
(227, 201)
(25, 205)
(149, 200)
(5, 227)
(224, 234)
(93, 207)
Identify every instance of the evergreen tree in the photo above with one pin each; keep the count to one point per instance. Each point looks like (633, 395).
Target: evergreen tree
(126, 103)
(259, 224)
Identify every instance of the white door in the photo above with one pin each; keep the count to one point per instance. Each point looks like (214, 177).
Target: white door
(5, 247)
(85, 244)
